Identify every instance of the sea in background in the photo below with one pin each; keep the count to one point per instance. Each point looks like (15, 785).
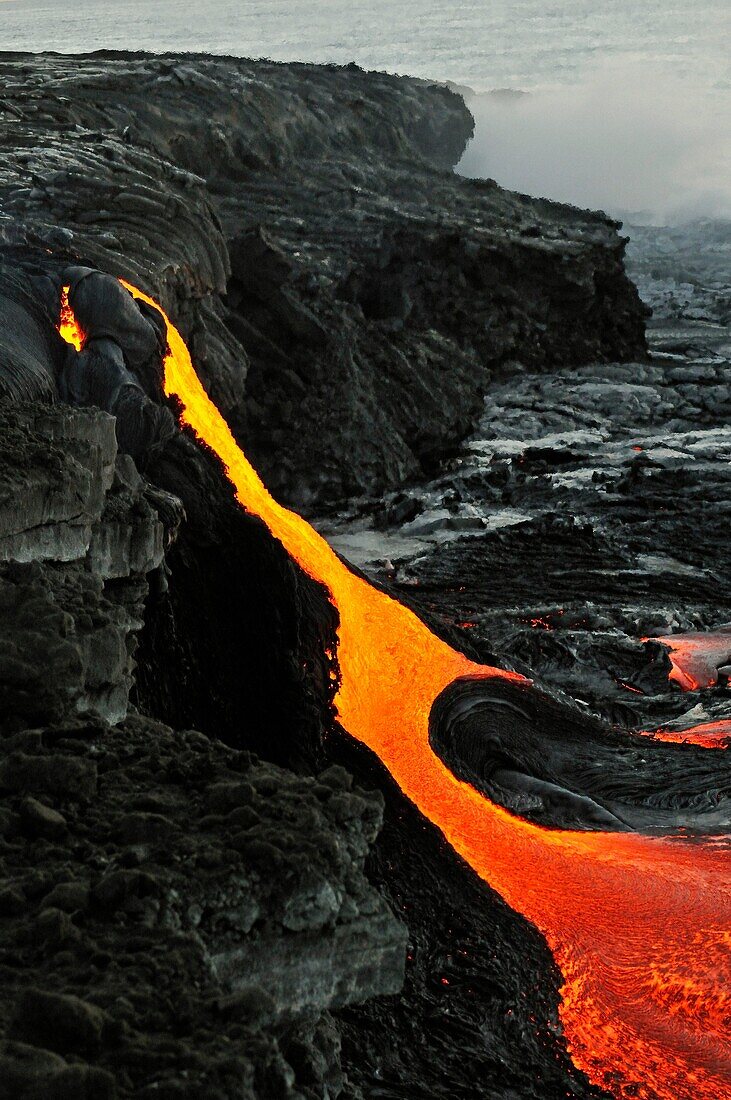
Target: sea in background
(626, 104)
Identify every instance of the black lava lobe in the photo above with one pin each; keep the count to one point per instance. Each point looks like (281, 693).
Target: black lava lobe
(545, 759)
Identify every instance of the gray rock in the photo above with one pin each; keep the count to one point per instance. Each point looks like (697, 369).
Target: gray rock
(369, 291)
(53, 930)
(25, 1069)
(77, 1082)
(250, 946)
(63, 777)
(12, 902)
(349, 965)
(118, 886)
(67, 497)
(141, 828)
(41, 820)
(68, 896)
(60, 1022)
(56, 469)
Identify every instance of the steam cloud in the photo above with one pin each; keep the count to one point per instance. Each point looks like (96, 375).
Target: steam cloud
(632, 142)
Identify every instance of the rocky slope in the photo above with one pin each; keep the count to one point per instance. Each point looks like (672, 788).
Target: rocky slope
(177, 917)
(588, 513)
(306, 216)
(81, 538)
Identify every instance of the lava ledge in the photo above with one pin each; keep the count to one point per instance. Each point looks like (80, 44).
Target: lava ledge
(80, 534)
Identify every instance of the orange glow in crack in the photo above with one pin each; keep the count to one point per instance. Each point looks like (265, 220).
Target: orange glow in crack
(706, 735)
(68, 326)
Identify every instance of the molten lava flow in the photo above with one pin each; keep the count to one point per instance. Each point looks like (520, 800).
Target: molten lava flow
(68, 326)
(696, 658)
(640, 927)
(706, 735)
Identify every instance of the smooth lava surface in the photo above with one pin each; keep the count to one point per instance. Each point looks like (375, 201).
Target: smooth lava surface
(640, 927)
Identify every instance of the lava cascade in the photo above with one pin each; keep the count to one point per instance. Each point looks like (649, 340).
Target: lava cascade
(639, 926)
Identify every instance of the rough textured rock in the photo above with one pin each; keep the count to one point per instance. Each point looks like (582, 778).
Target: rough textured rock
(79, 534)
(346, 297)
(551, 544)
(57, 468)
(265, 644)
(554, 764)
(588, 512)
(348, 302)
(179, 927)
(178, 917)
(682, 273)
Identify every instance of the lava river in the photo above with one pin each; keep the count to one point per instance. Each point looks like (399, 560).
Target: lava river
(640, 927)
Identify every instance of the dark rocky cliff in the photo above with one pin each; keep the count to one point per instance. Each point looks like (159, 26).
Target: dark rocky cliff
(176, 914)
(347, 298)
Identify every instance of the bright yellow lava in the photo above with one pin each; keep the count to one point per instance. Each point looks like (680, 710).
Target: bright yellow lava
(68, 327)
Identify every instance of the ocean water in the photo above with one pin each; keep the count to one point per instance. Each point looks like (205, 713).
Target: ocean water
(629, 105)
(486, 44)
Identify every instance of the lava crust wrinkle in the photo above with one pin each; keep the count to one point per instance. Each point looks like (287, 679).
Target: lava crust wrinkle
(547, 761)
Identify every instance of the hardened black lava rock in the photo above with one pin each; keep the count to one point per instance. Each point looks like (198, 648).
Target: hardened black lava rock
(347, 298)
(178, 918)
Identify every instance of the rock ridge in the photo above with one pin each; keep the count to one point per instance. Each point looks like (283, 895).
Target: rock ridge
(79, 537)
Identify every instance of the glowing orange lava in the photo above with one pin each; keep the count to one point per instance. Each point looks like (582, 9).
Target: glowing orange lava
(640, 926)
(706, 735)
(696, 658)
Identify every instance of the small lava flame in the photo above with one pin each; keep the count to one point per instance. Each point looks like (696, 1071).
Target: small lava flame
(68, 325)
(639, 926)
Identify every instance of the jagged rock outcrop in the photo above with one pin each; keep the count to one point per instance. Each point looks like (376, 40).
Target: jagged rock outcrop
(177, 918)
(589, 510)
(369, 293)
(266, 644)
(556, 765)
(126, 974)
(79, 537)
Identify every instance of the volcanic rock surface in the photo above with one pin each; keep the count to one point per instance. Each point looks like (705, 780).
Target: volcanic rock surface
(308, 216)
(178, 916)
(80, 536)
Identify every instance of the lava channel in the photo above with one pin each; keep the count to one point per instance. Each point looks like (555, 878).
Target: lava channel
(639, 926)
